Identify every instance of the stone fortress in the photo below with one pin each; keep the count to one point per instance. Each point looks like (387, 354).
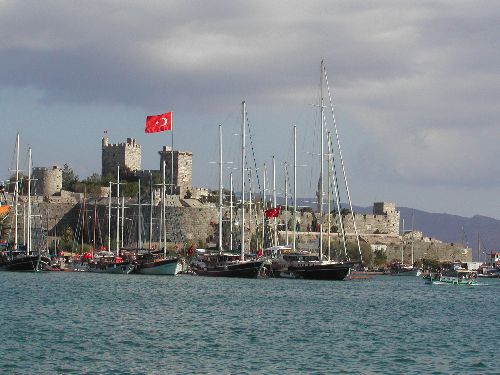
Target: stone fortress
(48, 180)
(198, 222)
(127, 155)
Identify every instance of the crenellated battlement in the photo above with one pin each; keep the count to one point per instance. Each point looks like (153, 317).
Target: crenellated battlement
(126, 154)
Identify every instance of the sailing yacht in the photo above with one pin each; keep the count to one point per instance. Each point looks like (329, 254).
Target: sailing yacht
(221, 264)
(150, 262)
(288, 262)
(22, 258)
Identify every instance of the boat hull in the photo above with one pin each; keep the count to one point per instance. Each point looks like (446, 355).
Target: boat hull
(452, 281)
(26, 264)
(160, 267)
(413, 272)
(332, 271)
(249, 269)
(111, 268)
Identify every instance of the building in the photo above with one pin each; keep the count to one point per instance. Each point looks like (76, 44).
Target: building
(494, 259)
(182, 180)
(127, 155)
(47, 181)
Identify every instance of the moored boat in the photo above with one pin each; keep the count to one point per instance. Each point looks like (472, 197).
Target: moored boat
(151, 264)
(107, 262)
(227, 265)
(19, 261)
(303, 265)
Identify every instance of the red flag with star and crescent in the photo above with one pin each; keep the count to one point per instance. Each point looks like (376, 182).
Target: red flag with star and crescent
(159, 123)
(273, 212)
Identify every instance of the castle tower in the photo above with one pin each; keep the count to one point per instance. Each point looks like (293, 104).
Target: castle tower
(388, 209)
(127, 155)
(183, 170)
(48, 181)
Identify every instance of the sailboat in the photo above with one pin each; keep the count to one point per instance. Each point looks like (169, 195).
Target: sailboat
(148, 262)
(107, 261)
(288, 262)
(401, 269)
(17, 258)
(221, 264)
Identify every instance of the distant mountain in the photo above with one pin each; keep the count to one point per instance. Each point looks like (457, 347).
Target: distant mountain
(453, 228)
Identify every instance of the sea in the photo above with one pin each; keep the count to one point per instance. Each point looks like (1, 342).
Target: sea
(84, 323)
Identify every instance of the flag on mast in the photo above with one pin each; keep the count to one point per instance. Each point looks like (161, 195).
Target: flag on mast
(273, 212)
(159, 123)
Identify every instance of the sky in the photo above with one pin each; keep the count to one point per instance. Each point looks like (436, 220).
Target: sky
(415, 87)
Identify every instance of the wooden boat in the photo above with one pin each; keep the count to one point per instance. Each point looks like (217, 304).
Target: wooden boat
(19, 261)
(156, 264)
(304, 265)
(227, 265)
(107, 262)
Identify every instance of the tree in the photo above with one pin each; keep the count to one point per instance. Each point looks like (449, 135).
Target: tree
(380, 259)
(69, 178)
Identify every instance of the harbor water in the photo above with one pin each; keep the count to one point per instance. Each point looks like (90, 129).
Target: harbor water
(83, 323)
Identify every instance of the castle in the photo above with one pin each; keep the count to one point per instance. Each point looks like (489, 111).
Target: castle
(127, 155)
(197, 221)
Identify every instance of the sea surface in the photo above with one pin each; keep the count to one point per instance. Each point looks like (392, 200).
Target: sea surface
(84, 323)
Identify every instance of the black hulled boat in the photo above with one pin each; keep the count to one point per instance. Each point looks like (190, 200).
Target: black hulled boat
(227, 265)
(21, 262)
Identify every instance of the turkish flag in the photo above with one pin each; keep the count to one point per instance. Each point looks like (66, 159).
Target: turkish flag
(273, 212)
(159, 123)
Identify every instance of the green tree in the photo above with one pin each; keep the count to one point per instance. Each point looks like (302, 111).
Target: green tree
(69, 178)
(380, 258)
(366, 252)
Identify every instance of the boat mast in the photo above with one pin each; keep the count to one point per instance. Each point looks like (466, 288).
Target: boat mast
(109, 217)
(264, 206)
(84, 208)
(329, 194)
(95, 226)
(231, 212)
(28, 247)
(286, 204)
(243, 110)
(478, 248)
(122, 222)
(220, 188)
(337, 198)
(342, 164)
(412, 235)
(294, 187)
(322, 130)
(163, 210)
(118, 212)
(139, 217)
(402, 243)
(151, 209)
(16, 193)
(275, 241)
